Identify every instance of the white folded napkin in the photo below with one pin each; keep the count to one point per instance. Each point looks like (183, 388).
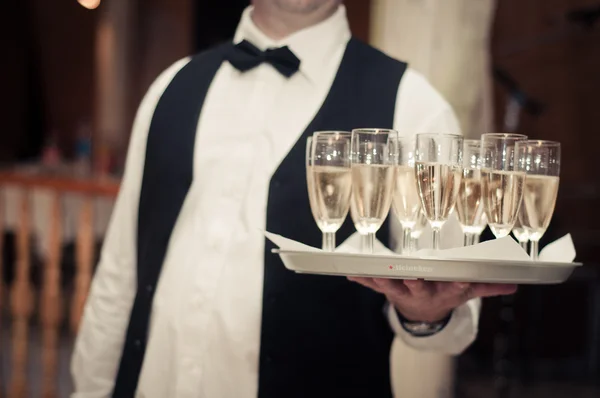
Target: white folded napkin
(559, 251)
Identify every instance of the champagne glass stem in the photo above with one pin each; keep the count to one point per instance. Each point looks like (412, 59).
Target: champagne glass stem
(469, 239)
(524, 245)
(363, 242)
(369, 243)
(413, 245)
(406, 240)
(437, 232)
(534, 250)
(476, 238)
(329, 241)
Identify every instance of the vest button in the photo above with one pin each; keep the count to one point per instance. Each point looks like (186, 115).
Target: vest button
(149, 289)
(137, 344)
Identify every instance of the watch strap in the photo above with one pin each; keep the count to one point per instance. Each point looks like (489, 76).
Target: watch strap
(423, 329)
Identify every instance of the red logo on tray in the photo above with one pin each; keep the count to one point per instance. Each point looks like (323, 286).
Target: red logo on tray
(410, 268)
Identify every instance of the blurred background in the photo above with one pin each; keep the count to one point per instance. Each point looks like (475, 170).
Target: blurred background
(72, 73)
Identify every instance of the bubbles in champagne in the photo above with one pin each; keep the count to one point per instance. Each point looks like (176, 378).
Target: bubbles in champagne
(372, 187)
(438, 188)
(469, 203)
(518, 230)
(329, 190)
(502, 195)
(406, 202)
(539, 199)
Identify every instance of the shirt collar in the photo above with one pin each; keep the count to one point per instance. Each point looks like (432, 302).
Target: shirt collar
(312, 45)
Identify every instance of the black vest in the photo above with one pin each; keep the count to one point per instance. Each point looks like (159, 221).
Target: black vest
(321, 336)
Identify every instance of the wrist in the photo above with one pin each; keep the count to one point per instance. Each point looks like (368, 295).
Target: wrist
(420, 316)
(420, 328)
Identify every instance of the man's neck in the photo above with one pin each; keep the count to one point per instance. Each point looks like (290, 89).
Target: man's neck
(277, 24)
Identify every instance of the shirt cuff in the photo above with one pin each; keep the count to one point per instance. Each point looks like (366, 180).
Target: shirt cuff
(453, 339)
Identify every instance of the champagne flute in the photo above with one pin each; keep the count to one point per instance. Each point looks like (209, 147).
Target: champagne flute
(542, 165)
(329, 181)
(519, 231)
(502, 180)
(374, 156)
(469, 204)
(438, 171)
(405, 200)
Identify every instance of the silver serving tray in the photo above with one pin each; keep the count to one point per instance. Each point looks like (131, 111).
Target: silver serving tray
(426, 268)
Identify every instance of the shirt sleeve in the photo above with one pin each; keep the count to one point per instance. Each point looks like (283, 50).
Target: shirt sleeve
(100, 340)
(420, 108)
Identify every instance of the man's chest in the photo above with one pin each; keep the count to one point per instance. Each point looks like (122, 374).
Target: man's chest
(250, 121)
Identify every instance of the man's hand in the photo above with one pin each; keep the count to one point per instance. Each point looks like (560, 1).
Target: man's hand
(423, 301)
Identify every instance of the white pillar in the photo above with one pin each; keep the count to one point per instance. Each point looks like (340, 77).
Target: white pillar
(135, 41)
(166, 36)
(448, 42)
(115, 83)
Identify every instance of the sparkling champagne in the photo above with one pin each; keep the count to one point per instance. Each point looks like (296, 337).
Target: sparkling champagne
(502, 196)
(353, 212)
(519, 230)
(469, 203)
(539, 199)
(329, 190)
(372, 187)
(406, 202)
(438, 186)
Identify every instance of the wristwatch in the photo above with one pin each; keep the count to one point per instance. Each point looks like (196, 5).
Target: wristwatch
(423, 329)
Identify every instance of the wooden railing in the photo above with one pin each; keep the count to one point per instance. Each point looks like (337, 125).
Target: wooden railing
(22, 295)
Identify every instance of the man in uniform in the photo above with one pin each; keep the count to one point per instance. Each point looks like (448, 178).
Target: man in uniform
(187, 300)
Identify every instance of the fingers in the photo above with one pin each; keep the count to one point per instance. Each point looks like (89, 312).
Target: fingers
(452, 289)
(367, 282)
(392, 287)
(467, 291)
(490, 290)
(419, 288)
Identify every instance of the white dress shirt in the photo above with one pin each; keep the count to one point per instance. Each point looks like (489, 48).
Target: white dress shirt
(206, 318)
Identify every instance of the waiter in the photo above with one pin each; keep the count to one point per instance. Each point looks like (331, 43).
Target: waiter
(187, 300)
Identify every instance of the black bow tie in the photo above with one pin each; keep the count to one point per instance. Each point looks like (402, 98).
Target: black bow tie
(245, 56)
